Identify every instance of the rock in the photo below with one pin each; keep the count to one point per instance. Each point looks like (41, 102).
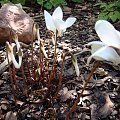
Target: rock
(14, 19)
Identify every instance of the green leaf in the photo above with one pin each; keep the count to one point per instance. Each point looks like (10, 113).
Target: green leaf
(118, 14)
(103, 5)
(114, 16)
(103, 16)
(40, 2)
(110, 6)
(19, 1)
(48, 5)
(78, 1)
(4, 1)
(56, 3)
(117, 4)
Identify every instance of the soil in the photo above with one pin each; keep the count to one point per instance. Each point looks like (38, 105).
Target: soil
(101, 98)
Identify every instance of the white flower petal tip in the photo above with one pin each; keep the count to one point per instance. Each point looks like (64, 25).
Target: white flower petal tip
(105, 54)
(74, 61)
(95, 45)
(107, 33)
(49, 21)
(70, 21)
(58, 14)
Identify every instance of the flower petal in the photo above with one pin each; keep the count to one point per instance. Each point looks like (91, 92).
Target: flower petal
(49, 21)
(60, 26)
(16, 64)
(11, 55)
(105, 53)
(58, 14)
(70, 21)
(118, 33)
(74, 61)
(95, 45)
(107, 33)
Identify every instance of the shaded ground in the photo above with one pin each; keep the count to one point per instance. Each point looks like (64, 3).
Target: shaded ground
(100, 100)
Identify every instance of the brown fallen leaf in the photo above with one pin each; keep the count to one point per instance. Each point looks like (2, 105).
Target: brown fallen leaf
(10, 116)
(107, 108)
(66, 94)
(102, 106)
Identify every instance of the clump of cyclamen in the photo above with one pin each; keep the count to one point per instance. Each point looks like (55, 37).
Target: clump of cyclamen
(105, 50)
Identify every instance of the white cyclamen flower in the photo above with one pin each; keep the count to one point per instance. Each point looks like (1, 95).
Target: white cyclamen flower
(10, 50)
(56, 22)
(110, 38)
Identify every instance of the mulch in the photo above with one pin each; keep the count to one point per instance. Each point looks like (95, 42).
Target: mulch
(101, 98)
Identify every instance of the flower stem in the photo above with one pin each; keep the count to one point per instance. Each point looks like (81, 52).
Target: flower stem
(54, 62)
(24, 81)
(11, 79)
(60, 78)
(85, 85)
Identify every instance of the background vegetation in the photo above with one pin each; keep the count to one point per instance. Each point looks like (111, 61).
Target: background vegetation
(109, 9)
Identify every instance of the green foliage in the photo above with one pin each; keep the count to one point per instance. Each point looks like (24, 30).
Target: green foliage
(13, 1)
(110, 11)
(48, 4)
(4, 1)
(51, 3)
(19, 1)
(77, 1)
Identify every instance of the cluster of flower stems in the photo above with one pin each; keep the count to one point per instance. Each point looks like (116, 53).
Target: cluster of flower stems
(105, 50)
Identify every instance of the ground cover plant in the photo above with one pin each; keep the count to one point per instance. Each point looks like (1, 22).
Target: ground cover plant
(110, 10)
(37, 72)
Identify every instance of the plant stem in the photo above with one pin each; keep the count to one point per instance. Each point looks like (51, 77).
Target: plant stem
(11, 79)
(54, 62)
(24, 81)
(60, 78)
(14, 78)
(85, 85)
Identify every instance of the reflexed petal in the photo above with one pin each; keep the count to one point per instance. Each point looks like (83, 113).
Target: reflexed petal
(107, 33)
(58, 14)
(118, 33)
(60, 26)
(15, 38)
(38, 34)
(16, 64)
(105, 53)
(95, 45)
(49, 21)
(70, 21)
(11, 56)
(74, 61)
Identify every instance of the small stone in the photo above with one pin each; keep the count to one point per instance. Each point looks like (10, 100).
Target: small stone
(14, 19)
